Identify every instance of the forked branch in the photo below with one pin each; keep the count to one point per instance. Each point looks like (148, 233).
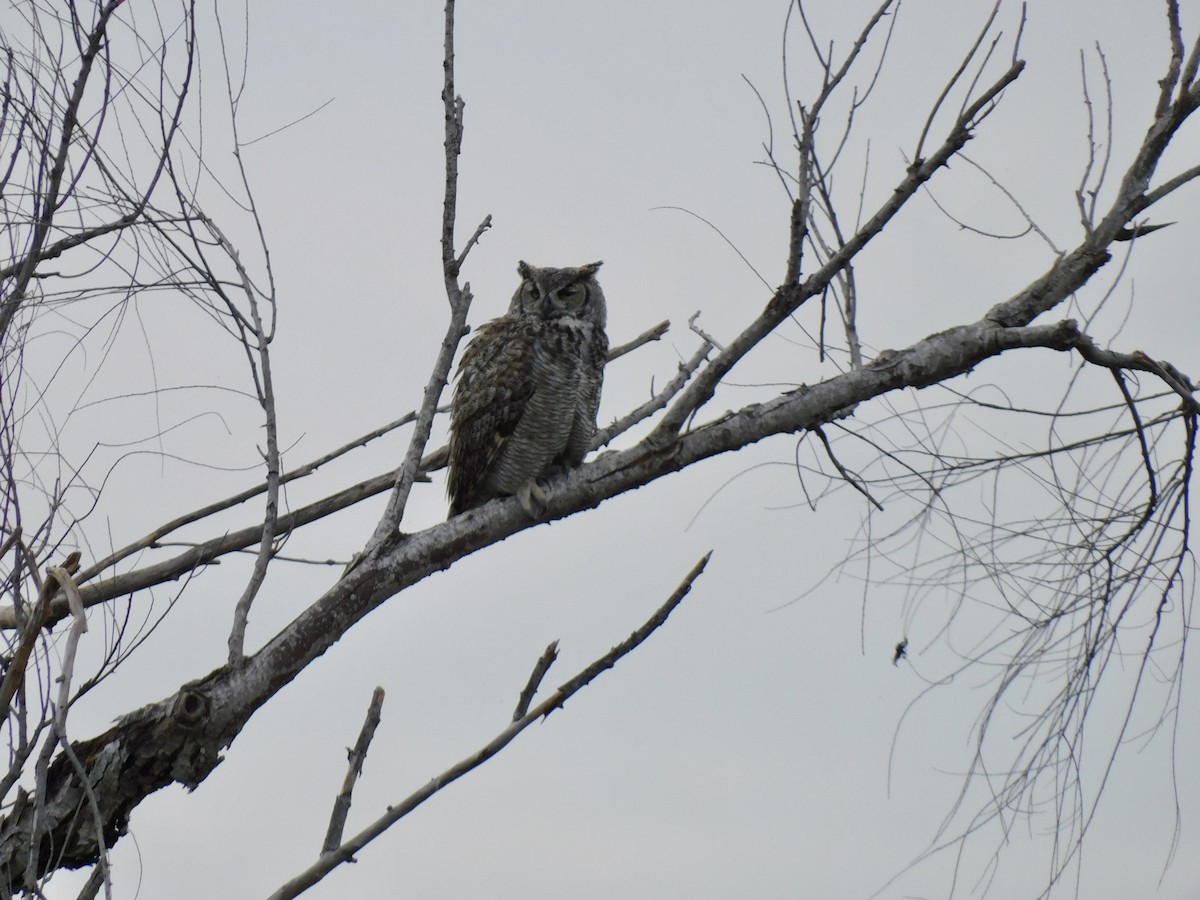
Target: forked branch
(346, 852)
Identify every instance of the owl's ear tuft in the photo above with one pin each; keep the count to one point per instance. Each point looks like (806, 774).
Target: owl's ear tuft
(524, 269)
(590, 268)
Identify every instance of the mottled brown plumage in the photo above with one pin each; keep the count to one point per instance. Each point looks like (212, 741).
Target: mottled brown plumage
(528, 389)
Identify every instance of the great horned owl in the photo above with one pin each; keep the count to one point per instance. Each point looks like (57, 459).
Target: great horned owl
(528, 389)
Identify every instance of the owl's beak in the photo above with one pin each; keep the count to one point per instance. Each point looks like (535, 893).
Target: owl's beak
(547, 307)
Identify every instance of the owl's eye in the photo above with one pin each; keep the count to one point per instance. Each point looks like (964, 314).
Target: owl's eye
(534, 293)
(574, 294)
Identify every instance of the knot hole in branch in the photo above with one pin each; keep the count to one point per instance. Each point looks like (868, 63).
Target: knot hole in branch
(191, 708)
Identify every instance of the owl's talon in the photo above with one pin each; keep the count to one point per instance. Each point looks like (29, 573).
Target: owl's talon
(533, 498)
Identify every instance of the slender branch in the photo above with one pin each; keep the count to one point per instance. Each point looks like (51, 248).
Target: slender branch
(389, 523)
(1139, 361)
(704, 335)
(1171, 184)
(452, 115)
(686, 369)
(459, 298)
(474, 239)
(1171, 79)
(91, 887)
(650, 334)
(346, 852)
(78, 628)
(266, 397)
(152, 539)
(357, 755)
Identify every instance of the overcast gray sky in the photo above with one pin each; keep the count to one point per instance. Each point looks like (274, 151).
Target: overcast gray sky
(752, 748)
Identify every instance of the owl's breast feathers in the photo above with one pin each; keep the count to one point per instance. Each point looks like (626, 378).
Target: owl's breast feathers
(526, 400)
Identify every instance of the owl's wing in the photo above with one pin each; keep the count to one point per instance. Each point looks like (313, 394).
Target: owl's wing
(494, 386)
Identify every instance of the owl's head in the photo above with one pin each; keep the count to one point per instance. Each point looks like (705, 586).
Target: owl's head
(559, 293)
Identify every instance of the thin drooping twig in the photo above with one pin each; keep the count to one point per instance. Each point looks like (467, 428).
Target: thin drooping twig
(853, 480)
(540, 668)
(721, 234)
(357, 755)
(347, 851)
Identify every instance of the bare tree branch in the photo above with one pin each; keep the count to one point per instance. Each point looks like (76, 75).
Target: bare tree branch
(266, 395)
(152, 539)
(357, 755)
(650, 334)
(459, 298)
(545, 661)
(396, 812)
(687, 369)
(1122, 534)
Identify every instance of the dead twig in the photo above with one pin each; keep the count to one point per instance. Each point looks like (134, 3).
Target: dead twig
(357, 755)
(655, 403)
(540, 668)
(650, 334)
(708, 338)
